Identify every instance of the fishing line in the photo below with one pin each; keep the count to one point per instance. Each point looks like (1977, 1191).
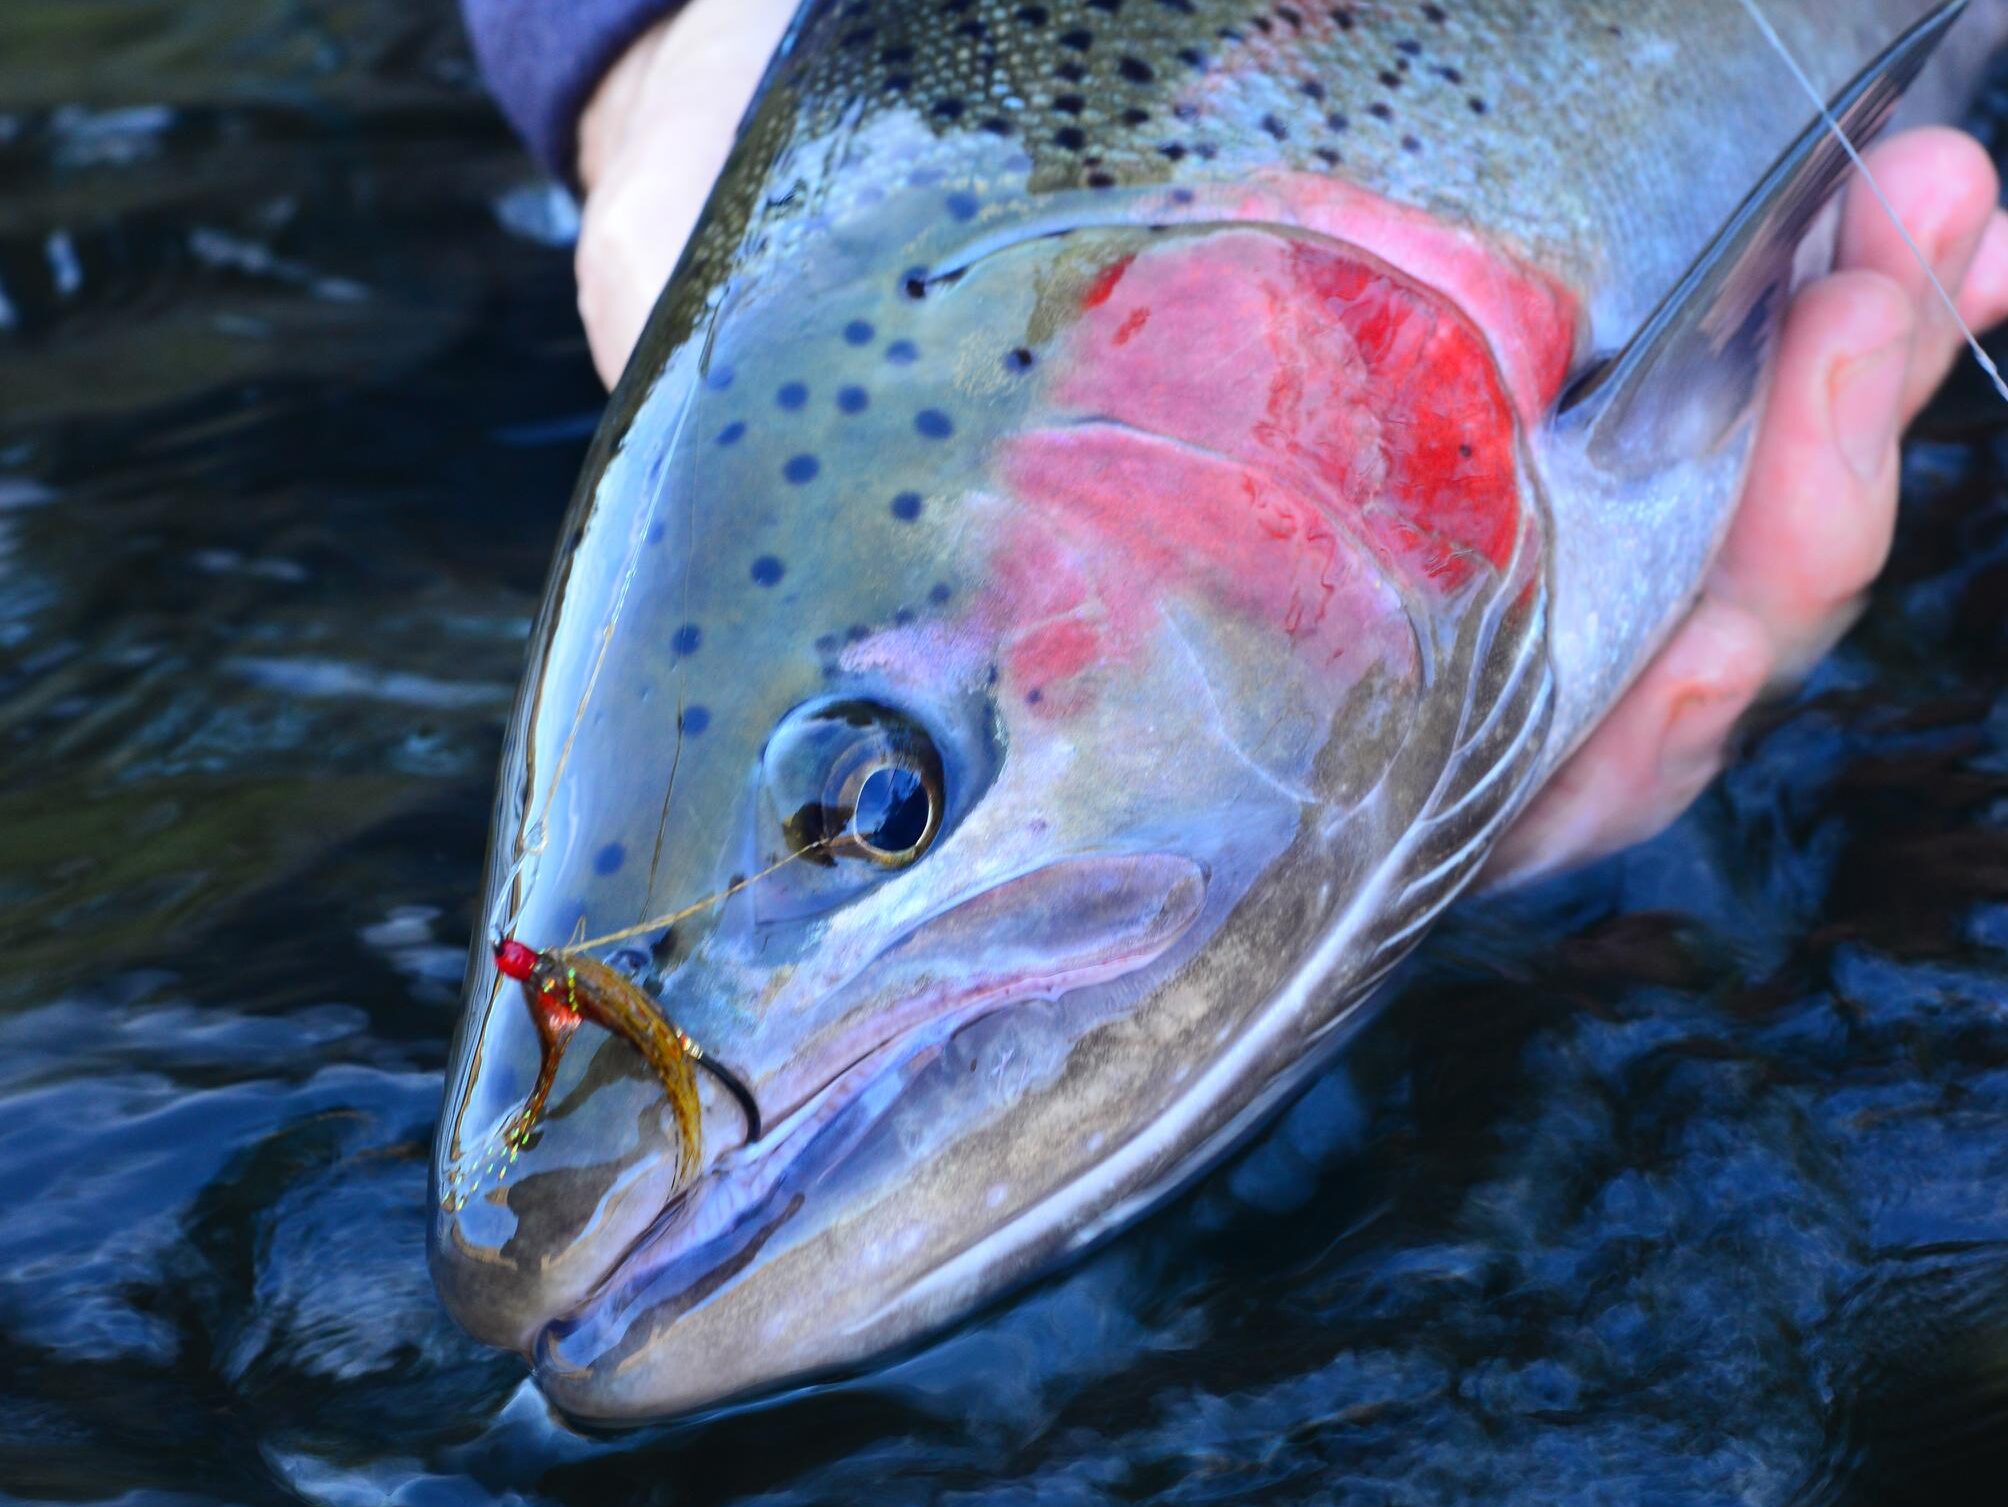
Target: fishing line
(630, 569)
(1951, 307)
(657, 923)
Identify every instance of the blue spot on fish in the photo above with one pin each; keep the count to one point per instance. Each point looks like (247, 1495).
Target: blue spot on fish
(858, 332)
(906, 506)
(792, 395)
(902, 353)
(768, 570)
(686, 639)
(802, 469)
(696, 719)
(933, 424)
(853, 399)
(609, 859)
(732, 433)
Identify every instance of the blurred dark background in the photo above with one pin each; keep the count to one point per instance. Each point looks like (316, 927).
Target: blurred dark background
(1682, 1180)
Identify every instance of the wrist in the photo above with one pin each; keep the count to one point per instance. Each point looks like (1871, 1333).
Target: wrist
(615, 103)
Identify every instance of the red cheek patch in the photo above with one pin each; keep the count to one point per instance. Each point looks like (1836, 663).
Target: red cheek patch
(1265, 422)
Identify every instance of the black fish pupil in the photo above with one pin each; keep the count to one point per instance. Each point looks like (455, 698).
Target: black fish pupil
(892, 809)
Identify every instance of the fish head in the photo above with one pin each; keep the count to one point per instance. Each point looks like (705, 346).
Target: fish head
(966, 710)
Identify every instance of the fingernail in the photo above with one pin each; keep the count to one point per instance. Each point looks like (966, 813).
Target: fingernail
(1866, 392)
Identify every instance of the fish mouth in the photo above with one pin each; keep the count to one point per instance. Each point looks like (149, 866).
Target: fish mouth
(713, 1231)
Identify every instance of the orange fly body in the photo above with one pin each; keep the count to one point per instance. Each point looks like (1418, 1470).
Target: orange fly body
(564, 990)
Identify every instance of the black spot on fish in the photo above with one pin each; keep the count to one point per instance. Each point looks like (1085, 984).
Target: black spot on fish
(1019, 360)
(997, 125)
(826, 643)
(857, 633)
(906, 506)
(695, 719)
(1175, 150)
(1080, 39)
(1338, 121)
(858, 332)
(732, 433)
(949, 109)
(1275, 128)
(1410, 144)
(853, 399)
(609, 859)
(939, 593)
(903, 616)
(1380, 111)
(1033, 15)
(1435, 13)
(902, 353)
(1034, 697)
(792, 395)
(1478, 106)
(1072, 138)
(1312, 89)
(1101, 180)
(1135, 117)
(914, 284)
(686, 639)
(1136, 70)
(768, 570)
(1069, 104)
(802, 469)
(933, 424)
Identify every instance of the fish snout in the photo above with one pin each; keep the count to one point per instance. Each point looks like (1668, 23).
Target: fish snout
(575, 1124)
(808, 1250)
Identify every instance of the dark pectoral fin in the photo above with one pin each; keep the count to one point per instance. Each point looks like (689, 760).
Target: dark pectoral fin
(1682, 385)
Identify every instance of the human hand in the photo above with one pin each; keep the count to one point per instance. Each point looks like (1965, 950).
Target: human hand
(1863, 350)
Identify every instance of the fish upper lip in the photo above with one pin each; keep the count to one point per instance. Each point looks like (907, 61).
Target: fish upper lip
(730, 1195)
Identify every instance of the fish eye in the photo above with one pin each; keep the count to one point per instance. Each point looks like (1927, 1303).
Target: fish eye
(891, 810)
(856, 780)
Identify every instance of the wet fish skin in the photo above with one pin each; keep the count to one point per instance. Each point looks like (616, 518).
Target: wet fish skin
(1151, 404)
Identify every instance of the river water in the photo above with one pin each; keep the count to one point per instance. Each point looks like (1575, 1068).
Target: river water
(1683, 1180)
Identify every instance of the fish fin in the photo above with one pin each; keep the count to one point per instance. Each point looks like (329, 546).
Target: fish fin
(1690, 375)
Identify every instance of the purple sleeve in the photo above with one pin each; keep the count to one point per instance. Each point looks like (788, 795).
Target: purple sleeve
(543, 59)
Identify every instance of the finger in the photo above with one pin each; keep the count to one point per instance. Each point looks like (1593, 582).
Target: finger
(653, 142)
(1944, 189)
(1983, 301)
(1819, 508)
(1647, 761)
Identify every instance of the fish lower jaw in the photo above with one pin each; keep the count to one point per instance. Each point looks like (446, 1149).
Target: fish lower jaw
(711, 1232)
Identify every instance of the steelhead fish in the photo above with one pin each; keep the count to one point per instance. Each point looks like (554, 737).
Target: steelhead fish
(1121, 503)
